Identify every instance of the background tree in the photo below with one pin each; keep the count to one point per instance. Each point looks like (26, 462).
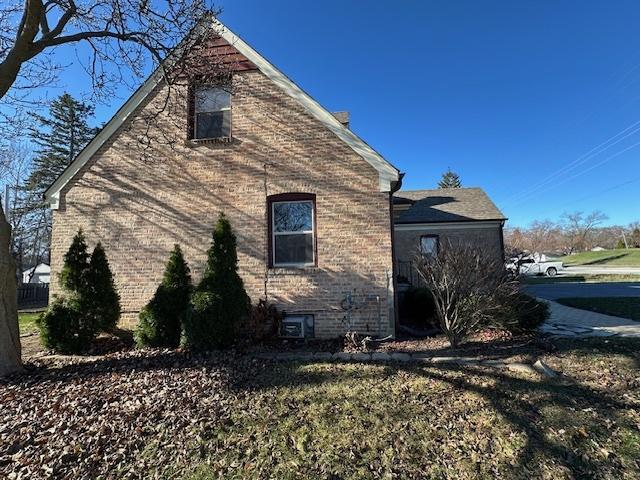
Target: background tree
(58, 137)
(449, 179)
(579, 227)
(161, 319)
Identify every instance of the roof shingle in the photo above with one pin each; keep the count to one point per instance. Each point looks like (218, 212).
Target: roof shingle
(446, 205)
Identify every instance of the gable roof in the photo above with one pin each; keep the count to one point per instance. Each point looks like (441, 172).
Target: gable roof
(446, 205)
(388, 174)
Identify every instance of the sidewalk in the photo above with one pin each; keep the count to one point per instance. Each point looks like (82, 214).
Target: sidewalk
(574, 322)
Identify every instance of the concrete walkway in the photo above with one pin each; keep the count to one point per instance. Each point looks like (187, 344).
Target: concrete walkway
(574, 322)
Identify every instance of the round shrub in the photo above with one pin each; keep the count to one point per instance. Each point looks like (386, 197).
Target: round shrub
(417, 307)
(522, 313)
(64, 328)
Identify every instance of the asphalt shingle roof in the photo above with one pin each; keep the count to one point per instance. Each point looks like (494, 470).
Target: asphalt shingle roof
(446, 205)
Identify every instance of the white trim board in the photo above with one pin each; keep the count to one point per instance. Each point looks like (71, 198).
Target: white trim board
(431, 227)
(386, 171)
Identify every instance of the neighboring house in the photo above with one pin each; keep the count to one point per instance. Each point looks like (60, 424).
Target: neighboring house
(39, 274)
(424, 220)
(309, 201)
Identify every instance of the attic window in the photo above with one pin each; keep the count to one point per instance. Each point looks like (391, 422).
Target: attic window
(212, 113)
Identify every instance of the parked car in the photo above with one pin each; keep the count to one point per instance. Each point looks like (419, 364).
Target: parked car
(529, 266)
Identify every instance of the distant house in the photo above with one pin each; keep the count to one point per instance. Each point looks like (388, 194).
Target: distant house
(39, 274)
(425, 219)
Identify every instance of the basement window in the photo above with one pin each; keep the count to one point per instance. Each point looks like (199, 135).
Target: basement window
(212, 113)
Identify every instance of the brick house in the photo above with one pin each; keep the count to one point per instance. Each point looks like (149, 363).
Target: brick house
(309, 201)
(426, 219)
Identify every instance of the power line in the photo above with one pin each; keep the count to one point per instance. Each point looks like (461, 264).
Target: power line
(597, 194)
(595, 151)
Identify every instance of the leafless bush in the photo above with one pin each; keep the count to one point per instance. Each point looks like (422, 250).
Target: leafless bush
(468, 287)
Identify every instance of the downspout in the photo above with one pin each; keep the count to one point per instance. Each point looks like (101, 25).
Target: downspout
(502, 240)
(394, 274)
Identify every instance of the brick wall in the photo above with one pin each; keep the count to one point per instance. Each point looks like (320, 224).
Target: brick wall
(140, 208)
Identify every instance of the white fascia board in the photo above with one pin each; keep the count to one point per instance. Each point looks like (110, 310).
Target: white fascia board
(430, 227)
(388, 174)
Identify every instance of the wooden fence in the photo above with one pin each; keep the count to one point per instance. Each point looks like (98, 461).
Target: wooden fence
(33, 295)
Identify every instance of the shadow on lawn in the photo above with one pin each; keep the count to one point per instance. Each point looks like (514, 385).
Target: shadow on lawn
(520, 401)
(606, 259)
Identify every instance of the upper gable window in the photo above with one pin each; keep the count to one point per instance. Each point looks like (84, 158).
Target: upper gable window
(212, 113)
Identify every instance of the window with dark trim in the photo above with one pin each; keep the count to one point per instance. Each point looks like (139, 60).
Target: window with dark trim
(292, 230)
(210, 112)
(429, 245)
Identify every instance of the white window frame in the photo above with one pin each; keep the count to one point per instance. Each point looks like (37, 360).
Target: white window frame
(436, 240)
(195, 113)
(299, 232)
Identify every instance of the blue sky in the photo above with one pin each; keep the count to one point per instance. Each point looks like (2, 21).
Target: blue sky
(521, 98)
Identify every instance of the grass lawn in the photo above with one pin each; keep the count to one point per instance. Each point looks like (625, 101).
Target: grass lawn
(614, 258)
(626, 307)
(588, 278)
(27, 321)
(155, 414)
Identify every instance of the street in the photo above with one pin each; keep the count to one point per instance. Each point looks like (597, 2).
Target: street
(564, 290)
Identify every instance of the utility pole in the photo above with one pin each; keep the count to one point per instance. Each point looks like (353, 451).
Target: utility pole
(624, 239)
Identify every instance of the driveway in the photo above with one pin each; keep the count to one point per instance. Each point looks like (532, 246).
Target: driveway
(572, 322)
(554, 291)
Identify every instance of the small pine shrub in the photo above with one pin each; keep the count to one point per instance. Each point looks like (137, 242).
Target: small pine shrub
(68, 326)
(103, 301)
(76, 262)
(64, 327)
(222, 303)
(205, 327)
(160, 321)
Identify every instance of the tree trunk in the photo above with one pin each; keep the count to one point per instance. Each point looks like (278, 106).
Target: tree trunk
(10, 350)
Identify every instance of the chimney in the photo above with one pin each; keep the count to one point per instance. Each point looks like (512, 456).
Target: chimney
(343, 118)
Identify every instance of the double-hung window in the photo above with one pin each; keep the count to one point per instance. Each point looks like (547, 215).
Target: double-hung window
(292, 230)
(429, 245)
(212, 113)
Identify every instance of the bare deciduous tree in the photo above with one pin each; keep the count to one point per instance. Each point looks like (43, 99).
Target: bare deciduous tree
(468, 288)
(578, 227)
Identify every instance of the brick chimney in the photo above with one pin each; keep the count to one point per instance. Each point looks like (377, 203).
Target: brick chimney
(343, 118)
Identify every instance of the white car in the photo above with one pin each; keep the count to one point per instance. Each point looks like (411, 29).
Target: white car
(529, 266)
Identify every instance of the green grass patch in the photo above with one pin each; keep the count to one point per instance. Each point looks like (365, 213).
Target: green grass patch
(376, 421)
(614, 258)
(27, 321)
(587, 278)
(625, 307)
